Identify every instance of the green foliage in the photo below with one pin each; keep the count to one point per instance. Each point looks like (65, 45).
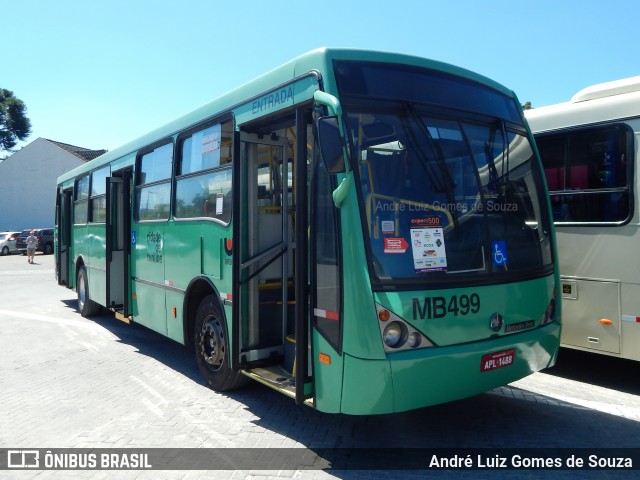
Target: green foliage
(527, 106)
(14, 124)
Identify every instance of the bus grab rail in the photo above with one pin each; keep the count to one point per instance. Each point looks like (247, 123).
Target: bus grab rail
(277, 251)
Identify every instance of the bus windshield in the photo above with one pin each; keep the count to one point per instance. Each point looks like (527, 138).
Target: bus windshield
(448, 195)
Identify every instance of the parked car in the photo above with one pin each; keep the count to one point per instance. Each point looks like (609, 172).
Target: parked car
(8, 242)
(45, 240)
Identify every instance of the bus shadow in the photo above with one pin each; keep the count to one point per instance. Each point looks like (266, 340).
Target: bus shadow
(596, 369)
(149, 343)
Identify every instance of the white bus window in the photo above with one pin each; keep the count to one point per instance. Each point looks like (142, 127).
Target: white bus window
(587, 173)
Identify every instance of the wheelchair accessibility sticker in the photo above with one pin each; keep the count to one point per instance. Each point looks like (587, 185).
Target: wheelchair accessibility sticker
(499, 253)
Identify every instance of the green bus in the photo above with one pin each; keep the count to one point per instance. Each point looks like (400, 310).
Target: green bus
(366, 232)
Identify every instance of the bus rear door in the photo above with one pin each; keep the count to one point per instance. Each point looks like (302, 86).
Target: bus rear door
(64, 221)
(118, 242)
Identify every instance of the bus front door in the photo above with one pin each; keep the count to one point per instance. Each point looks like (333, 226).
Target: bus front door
(264, 302)
(118, 242)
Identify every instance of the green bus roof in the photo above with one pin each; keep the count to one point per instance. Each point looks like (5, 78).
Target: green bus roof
(319, 60)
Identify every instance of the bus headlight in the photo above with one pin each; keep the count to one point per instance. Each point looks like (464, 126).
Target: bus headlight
(398, 335)
(414, 340)
(394, 335)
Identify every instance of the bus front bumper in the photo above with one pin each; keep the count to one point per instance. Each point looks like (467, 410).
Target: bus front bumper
(429, 376)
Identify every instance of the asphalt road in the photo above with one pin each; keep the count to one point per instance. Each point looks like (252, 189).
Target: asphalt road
(67, 382)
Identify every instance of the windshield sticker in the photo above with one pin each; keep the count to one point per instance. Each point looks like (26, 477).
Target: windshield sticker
(395, 245)
(499, 253)
(219, 204)
(427, 245)
(388, 227)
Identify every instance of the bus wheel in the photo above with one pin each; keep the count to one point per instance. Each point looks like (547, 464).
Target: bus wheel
(212, 347)
(86, 306)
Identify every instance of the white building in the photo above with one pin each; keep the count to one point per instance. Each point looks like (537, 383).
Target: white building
(28, 182)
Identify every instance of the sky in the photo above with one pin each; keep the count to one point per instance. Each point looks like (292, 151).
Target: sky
(99, 74)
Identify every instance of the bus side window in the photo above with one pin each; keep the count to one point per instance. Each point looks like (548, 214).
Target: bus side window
(203, 176)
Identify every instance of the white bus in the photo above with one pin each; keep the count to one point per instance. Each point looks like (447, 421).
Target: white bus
(589, 149)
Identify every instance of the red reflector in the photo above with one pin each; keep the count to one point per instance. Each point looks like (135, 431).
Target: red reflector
(605, 321)
(328, 314)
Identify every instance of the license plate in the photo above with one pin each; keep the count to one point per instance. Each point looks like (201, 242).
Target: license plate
(495, 360)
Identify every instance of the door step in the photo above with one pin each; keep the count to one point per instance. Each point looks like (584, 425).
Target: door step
(275, 377)
(122, 318)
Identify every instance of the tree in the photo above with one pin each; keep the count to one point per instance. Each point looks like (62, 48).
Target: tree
(527, 106)
(14, 124)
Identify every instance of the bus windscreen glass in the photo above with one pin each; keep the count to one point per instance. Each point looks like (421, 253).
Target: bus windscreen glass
(448, 195)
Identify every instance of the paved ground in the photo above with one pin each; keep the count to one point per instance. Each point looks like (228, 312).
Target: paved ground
(69, 382)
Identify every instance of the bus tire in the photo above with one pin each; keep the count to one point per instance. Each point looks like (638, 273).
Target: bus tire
(86, 306)
(212, 347)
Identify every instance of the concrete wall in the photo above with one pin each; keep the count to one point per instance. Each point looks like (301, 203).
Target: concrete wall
(28, 185)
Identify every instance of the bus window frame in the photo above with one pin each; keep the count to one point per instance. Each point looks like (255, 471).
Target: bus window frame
(227, 117)
(564, 134)
(169, 180)
(76, 201)
(97, 196)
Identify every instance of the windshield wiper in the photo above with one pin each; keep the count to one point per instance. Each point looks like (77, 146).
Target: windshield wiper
(499, 183)
(444, 182)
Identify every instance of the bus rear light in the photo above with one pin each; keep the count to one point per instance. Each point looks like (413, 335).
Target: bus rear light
(384, 315)
(605, 321)
(324, 358)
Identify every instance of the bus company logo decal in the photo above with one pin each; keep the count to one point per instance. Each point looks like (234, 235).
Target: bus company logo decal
(496, 321)
(154, 240)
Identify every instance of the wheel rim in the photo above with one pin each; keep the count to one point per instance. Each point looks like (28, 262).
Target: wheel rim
(5, 250)
(212, 343)
(82, 292)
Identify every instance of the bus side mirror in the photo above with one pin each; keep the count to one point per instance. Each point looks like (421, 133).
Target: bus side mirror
(331, 144)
